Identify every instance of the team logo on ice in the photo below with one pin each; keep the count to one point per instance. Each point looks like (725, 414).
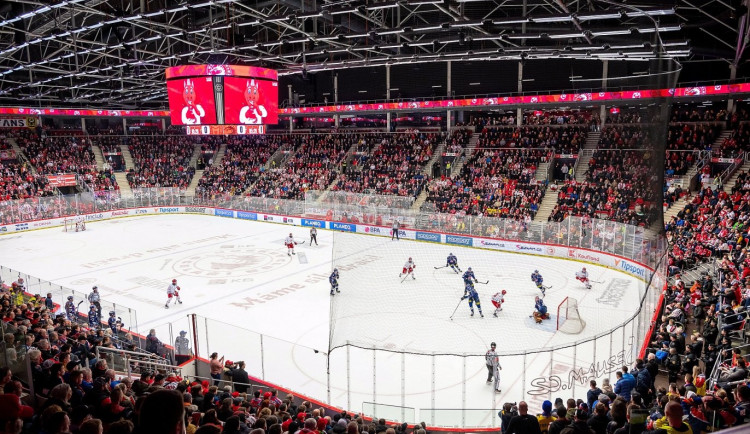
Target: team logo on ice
(231, 261)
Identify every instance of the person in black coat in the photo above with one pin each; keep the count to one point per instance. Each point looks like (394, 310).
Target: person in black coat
(524, 423)
(239, 377)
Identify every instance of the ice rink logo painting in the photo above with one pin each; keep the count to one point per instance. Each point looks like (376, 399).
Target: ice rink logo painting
(231, 261)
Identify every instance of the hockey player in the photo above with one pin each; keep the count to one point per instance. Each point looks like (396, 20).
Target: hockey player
(94, 319)
(490, 359)
(313, 235)
(583, 277)
(94, 299)
(540, 310)
(538, 280)
(70, 309)
(333, 279)
(112, 323)
(469, 277)
(182, 348)
(395, 229)
(80, 223)
(173, 291)
(497, 301)
(290, 243)
(408, 269)
(473, 296)
(452, 262)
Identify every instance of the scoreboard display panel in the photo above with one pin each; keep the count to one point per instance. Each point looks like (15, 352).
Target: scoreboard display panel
(222, 99)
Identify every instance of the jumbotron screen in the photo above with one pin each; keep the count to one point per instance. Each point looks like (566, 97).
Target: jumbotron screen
(223, 99)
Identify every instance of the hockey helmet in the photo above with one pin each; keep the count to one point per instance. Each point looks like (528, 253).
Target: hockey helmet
(410, 258)
(70, 297)
(92, 306)
(20, 280)
(468, 269)
(335, 270)
(290, 234)
(493, 345)
(450, 254)
(504, 292)
(174, 280)
(536, 298)
(536, 271)
(111, 313)
(584, 269)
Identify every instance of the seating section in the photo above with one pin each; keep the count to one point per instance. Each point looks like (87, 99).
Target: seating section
(241, 166)
(160, 161)
(396, 165)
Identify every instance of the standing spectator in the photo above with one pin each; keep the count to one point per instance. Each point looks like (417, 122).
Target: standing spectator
(162, 413)
(95, 299)
(578, 425)
(599, 421)
(592, 394)
(239, 377)
(152, 342)
(561, 422)
(546, 417)
(633, 426)
(217, 367)
(623, 386)
(523, 423)
(182, 348)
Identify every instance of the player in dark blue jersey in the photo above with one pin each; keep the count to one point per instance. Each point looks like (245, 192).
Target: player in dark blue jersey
(469, 277)
(473, 296)
(452, 262)
(112, 322)
(538, 281)
(94, 320)
(333, 279)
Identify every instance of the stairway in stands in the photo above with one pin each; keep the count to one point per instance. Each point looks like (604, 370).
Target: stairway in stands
(121, 177)
(98, 156)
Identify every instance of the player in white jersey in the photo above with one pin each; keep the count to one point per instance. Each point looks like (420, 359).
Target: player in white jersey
(583, 277)
(497, 300)
(80, 223)
(290, 243)
(173, 291)
(408, 269)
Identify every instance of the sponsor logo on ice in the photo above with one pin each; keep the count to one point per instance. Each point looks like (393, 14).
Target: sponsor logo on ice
(428, 236)
(572, 253)
(231, 261)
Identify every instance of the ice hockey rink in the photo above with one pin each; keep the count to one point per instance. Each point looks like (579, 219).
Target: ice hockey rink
(237, 277)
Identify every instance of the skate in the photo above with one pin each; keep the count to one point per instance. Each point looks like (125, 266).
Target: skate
(481, 314)
(495, 314)
(338, 292)
(472, 313)
(179, 301)
(489, 381)
(413, 278)
(166, 306)
(331, 292)
(294, 253)
(498, 391)
(288, 254)
(400, 274)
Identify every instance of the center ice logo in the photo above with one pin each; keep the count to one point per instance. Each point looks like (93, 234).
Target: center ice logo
(231, 261)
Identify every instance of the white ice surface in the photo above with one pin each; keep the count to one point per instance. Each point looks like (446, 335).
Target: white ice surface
(237, 277)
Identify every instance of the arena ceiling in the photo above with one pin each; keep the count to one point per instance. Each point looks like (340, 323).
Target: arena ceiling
(112, 53)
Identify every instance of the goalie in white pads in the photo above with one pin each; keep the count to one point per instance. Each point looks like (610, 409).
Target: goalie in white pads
(583, 277)
(173, 291)
(80, 222)
(408, 269)
(497, 300)
(290, 243)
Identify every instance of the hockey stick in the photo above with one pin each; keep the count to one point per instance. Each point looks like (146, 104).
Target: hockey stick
(454, 310)
(437, 268)
(596, 281)
(301, 242)
(483, 283)
(405, 276)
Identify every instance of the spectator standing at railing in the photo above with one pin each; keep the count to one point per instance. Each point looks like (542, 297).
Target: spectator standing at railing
(239, 377)
(524, 423)
(217, 367)
(182, 350)
(152, 342)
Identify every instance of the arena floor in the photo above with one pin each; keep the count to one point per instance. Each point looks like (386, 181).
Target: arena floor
(237, 277)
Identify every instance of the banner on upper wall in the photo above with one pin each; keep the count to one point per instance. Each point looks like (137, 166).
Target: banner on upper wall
(62, 180)
(19, 122)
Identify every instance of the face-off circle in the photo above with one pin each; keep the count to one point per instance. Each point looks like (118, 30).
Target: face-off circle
(231, 261)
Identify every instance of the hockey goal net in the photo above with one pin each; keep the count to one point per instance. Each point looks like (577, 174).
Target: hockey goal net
(70, 225)
(568, 317)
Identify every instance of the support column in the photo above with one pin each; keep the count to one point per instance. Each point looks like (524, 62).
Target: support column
(291, 104)
(449, 113)
(519, 110)
(603, 108)
(124, 126)
(163, 124)
(388, 97)
(336, 117)
(83, 125)
(730, 103)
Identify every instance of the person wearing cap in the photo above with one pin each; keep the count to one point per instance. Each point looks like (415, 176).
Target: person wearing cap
(182, 350)
(546, 417)
(95, 299)
(491, 360)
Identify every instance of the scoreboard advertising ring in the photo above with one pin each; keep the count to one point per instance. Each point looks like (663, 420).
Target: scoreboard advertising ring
(222, 99)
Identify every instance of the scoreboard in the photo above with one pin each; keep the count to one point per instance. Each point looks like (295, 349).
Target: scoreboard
(223, 99)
